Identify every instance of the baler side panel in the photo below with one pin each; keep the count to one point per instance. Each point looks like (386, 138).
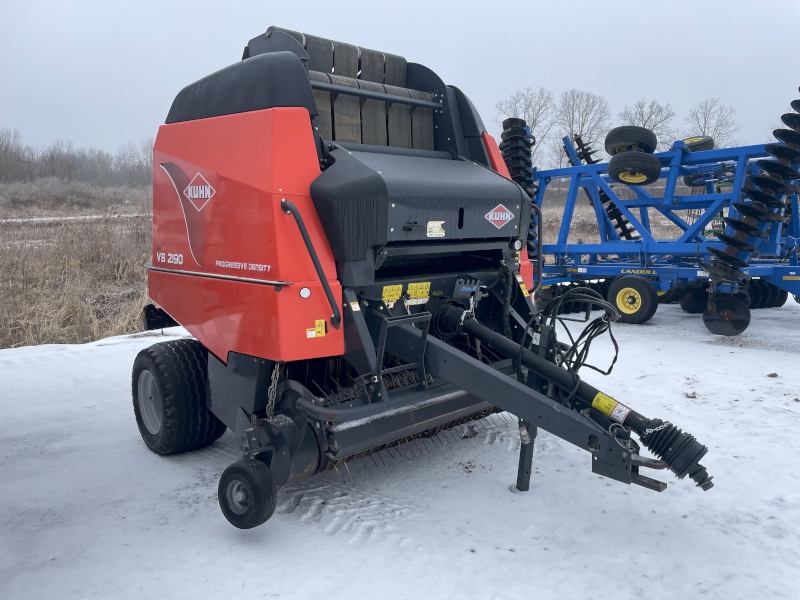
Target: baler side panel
(250, 318)
(217, 190)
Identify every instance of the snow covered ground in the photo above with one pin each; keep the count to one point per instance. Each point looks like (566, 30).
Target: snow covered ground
(86, 511)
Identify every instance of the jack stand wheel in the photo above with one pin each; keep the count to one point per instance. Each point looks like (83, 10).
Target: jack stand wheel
(726, 315)
(247, 493)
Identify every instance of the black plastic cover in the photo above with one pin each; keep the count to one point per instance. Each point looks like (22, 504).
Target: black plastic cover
(264, 81)
(366, 200)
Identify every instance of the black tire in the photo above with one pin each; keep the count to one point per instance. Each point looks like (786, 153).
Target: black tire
(634, 168)
(698, 143)
(693, 300)
(170, 378)
(630, 137)
(781, 299)
(634, 297)
(669, 296)
(764, 295)
(756, 294)
(247, 493)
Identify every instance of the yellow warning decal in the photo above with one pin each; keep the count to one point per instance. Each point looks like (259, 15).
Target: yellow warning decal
(610, 407)
(522, 286)
(392, 293)
(604, 404)
(355, 307)
(791, 277)
(417, 291)
(317, 331)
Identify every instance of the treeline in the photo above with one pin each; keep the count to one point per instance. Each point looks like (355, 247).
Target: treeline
(552, 117)
(131, 165)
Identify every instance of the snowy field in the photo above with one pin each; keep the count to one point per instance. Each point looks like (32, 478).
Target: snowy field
(86, 511)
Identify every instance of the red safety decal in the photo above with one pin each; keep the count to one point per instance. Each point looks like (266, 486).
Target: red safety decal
(499, 216)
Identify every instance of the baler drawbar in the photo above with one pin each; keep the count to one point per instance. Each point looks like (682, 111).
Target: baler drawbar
(349, 249)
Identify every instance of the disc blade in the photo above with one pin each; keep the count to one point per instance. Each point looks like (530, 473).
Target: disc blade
(516, 143)
(757, 211)
(727, 259)
(781, 151)
(726, 315)
(791, 120)
(732, 241)
(776, 168)
(514, 122)
(765, 198)
(773, 185)
(737, 225)
(787, 136)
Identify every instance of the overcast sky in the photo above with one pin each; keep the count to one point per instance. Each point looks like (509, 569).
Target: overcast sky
(101, 73)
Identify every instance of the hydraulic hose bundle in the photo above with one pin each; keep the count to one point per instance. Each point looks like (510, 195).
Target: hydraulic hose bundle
(678, 449)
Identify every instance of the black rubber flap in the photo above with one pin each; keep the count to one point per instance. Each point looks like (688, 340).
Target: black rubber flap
(264, 81)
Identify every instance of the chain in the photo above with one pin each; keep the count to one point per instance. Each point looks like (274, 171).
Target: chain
(659, 428)
(273, 386)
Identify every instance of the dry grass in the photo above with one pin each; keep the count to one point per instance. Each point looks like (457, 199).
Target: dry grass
(52, 196)
(72, 280)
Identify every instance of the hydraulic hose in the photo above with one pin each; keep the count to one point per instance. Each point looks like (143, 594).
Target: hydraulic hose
(680, 450)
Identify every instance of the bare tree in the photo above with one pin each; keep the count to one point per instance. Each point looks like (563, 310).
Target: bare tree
(654, 116)
(579, 112)
(132, 165)
(711, 117)
(537, 107)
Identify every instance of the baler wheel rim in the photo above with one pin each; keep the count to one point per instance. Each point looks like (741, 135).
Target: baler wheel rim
(151, 405)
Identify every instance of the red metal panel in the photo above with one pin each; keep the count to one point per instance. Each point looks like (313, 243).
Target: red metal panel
(250, 318)
(217, 190)
(495, 158)
(526, 269)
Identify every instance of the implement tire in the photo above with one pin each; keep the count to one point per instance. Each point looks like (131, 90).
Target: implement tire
(630, 137)
(671, 295)
(634, 297)
(698, 143)
(634, 168)
(247, 493)
(169, 397)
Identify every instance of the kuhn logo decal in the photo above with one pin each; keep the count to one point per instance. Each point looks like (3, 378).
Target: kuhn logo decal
(499, 216)
(199, 192)
(195, 195)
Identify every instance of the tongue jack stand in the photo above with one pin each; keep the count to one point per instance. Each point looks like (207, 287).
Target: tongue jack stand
(527, 437)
